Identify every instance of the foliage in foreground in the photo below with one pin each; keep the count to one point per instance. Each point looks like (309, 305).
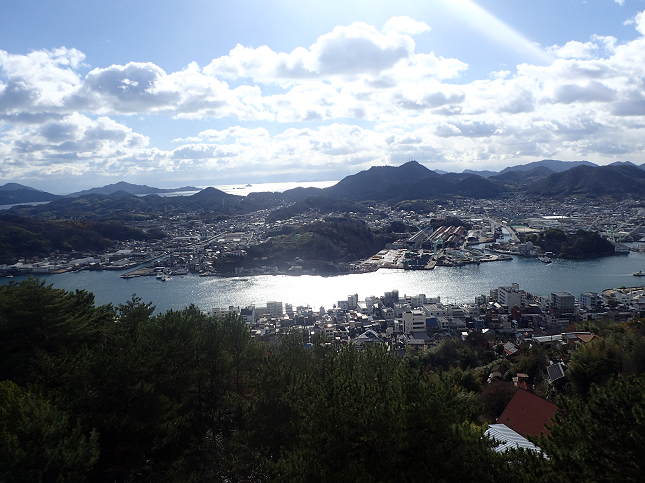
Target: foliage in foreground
(119, 394)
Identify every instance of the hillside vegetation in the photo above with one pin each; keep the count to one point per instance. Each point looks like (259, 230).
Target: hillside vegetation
(335, 239)
(318, 204)
(618, 181)
(115, 394)
(26, 237)
(210, 202)
(584, 244)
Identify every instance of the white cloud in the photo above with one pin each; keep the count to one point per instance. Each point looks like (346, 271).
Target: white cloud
(358, 49)
(39, 80)
(589, 102)
(575, 50)
(405, 25)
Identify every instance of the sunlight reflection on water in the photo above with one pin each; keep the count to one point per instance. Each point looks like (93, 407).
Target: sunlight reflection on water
(458, 285)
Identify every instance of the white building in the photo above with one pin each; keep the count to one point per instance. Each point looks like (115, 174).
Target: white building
(414, 321)
(589, 300)
(416, 301)
(222, 312)
(274, 309)
(511, 296)
(434, 310)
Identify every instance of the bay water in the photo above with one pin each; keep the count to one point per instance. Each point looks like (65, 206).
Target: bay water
(452, 284)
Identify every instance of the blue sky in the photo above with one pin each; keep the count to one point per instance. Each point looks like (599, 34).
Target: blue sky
(208, 92)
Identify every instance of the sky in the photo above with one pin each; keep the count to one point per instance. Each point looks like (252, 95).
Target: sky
(208, 92)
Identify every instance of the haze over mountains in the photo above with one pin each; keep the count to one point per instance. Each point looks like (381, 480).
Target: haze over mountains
(133, 189)
(549, 178)
(13, 193)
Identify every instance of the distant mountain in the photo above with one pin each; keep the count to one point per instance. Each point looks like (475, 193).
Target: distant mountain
(522, 179)
(380, 182)
(121, 205)
(14, 193)
(15, 186)
(133, 189)
(290, 196)
(624, 163)
(552, 164)
(483, 173)
(410, 181)
(618, 181)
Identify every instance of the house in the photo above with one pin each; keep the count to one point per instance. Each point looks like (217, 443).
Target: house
(511, 350)
(527, 414)
(369, 337)
(496, 373)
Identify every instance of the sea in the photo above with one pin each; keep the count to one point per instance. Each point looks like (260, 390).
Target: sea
(452, 284)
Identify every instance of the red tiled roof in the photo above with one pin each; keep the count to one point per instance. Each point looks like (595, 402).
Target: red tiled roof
(527, 413)
(524, 385)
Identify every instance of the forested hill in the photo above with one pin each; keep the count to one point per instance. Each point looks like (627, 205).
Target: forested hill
(618, 181)
(582, 244)
(334, 240)
(26, 237)
(410, 181)
(123, 206)
(320, 204)
(114, 394)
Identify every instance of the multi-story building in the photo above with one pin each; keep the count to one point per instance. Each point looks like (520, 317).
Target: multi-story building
(563, 301)
(414, 321)
(481, 299)
(511, 296)
(589, 300)
(222, 312)
(352, 301)
(288, 309)
(274, 309)
(434, 310)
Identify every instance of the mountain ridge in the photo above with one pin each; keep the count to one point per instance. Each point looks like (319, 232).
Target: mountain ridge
(133, 189)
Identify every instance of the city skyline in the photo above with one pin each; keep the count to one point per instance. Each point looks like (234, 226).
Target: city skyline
(211, 93)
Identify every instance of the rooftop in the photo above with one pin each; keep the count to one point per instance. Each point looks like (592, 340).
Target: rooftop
(527, 414)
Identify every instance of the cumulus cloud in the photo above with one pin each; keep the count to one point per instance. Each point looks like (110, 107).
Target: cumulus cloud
(574, 50)
(589, 101)
(405, 25)
(346, 51)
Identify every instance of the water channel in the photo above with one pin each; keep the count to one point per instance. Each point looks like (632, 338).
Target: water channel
(452, 284)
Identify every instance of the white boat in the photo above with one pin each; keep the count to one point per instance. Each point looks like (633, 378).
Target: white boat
(640, 273)
(545, 259)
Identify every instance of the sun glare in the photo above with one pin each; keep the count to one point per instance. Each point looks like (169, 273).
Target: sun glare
(494, 28)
